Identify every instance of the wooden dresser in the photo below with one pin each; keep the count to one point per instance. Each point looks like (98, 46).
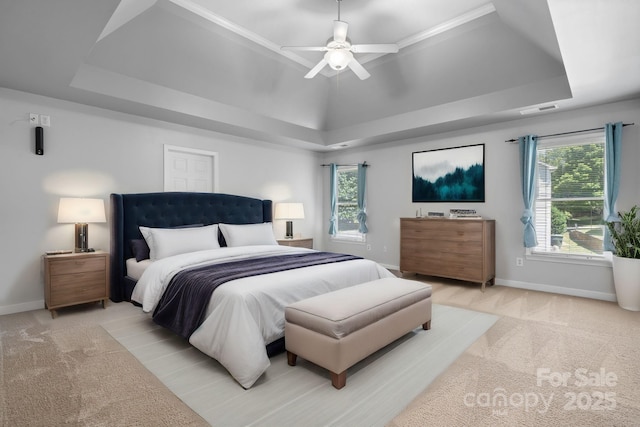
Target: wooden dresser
(462, 249)
(76, 278)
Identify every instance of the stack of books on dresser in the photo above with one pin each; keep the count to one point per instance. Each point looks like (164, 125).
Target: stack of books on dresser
(463, 214)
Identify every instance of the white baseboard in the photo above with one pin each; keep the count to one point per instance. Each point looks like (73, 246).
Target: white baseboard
(391, 267)
(604, 296)
(19, 308)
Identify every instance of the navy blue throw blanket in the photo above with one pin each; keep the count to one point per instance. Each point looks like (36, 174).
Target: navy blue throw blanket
(184, 303)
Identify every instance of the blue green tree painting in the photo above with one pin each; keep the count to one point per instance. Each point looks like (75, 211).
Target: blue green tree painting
(449, 175)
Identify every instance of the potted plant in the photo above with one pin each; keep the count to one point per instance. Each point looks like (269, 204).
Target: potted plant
(625, 235)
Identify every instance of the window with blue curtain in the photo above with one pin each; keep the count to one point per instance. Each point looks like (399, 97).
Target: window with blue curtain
(575, 180)
(348, 217)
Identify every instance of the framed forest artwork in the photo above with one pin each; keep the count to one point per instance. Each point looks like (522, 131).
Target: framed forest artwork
(449, 175)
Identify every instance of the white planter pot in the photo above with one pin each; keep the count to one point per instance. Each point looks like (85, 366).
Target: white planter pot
(626, 278)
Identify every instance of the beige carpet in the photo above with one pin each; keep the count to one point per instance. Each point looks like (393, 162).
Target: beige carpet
(55, 374)
(595, 345)
(69, 371)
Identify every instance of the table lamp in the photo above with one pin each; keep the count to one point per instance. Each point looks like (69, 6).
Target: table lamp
(289, 212)
(81, 212)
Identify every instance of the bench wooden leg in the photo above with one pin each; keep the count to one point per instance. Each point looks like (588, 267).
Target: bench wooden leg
(426, 326)
(339, 380)
(291, 358)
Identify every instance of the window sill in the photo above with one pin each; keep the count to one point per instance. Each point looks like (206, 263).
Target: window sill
(347, 239)
(603, 260)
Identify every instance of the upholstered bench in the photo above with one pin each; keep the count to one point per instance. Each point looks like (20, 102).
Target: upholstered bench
(338, 329)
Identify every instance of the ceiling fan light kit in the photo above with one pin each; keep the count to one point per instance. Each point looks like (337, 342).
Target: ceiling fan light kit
(339, 51)
(338, 59)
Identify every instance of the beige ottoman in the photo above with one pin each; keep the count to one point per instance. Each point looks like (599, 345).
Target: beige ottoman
(338, 329)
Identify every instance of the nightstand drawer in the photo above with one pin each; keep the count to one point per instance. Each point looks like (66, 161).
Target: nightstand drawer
(297, 242)
(81, 265)
(77, 287)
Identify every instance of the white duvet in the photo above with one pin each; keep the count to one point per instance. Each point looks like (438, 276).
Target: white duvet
(246, 314)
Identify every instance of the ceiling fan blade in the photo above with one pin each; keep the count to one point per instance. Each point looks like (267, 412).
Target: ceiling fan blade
(315, 70)
(306, 48)
(375, 48)
(340, 31)
(358, 69)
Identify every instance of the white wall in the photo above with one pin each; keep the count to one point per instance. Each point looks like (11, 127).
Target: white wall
(89, 152)
(92, 152)
(389, 195)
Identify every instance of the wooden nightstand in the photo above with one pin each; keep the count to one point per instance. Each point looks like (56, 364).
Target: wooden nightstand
(298, 242)
(75, 278)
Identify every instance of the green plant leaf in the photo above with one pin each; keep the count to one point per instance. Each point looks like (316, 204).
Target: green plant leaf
(625, 234)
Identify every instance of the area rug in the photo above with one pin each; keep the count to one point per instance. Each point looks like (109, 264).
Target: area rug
(78, 376)
(378, 388)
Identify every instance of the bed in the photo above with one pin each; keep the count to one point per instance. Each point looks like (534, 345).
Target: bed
(242, 321)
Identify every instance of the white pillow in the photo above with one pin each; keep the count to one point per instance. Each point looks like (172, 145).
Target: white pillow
(248, 234)
(165, 242)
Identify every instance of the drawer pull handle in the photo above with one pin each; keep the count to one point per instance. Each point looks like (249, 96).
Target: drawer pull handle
(80, 262)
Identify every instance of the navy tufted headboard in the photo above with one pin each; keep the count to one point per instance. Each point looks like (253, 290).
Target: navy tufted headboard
(171, 209)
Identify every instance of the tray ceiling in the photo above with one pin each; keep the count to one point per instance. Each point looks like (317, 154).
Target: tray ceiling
(218, 65)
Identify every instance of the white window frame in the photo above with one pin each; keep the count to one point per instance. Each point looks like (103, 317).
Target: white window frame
(591, 259)
(350, 236)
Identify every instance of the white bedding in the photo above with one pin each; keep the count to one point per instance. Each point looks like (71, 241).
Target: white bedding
(246, 314)
(136, 268)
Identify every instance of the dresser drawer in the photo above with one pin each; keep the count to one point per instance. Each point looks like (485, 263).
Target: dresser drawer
(78, 287)
(436, 258)
(79, 265)
(463, 231)
(436, 247)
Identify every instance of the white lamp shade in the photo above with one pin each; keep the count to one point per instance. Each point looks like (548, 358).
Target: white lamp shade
(80, 210)
(289, 211)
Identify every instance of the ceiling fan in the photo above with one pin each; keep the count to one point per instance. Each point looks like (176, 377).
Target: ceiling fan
(339, 51)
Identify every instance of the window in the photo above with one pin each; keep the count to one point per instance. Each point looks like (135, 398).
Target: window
(570, 196)
(347, 205)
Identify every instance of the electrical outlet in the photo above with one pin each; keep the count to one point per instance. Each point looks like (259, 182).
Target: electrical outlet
(368, 247)
(45, 120)
(33, 119)
(519, 261)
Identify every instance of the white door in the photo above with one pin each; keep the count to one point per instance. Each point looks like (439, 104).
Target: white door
(187, 169)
